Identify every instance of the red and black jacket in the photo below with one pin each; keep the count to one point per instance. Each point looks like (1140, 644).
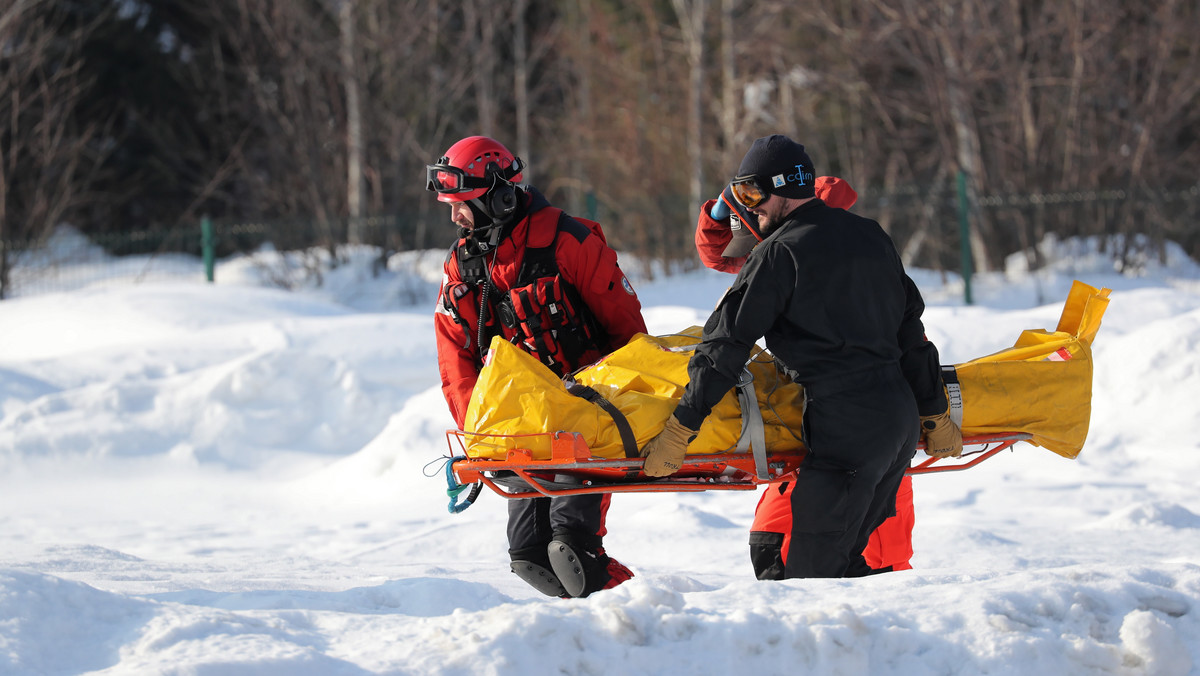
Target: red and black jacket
(551, 286)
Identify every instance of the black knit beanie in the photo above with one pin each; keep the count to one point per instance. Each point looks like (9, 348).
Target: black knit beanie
(782, 164)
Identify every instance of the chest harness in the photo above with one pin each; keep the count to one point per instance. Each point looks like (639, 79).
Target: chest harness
(542, 313)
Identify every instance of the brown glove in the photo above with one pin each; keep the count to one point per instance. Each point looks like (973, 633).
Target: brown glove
(664, 453)
(943, 439)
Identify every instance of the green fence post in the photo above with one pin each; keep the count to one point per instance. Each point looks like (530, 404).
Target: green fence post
(208, 247)
(593, 207)
(964, 235)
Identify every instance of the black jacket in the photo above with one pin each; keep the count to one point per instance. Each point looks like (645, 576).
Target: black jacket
(828, 292)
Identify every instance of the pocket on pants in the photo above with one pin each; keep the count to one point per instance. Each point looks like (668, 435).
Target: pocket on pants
(821, 500)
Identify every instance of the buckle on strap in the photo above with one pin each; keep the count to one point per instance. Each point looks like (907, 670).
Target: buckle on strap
(953, 394)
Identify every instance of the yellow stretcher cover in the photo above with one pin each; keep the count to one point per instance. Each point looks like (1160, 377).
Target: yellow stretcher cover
(1042, 385)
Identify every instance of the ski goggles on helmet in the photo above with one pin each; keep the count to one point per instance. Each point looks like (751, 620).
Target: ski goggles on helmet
(446, 178)
(748, 191)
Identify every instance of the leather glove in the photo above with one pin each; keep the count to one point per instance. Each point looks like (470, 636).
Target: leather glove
(664, 453)
(943, 439)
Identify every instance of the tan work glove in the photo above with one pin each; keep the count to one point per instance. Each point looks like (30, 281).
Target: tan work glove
(664, 453)
(943, 439)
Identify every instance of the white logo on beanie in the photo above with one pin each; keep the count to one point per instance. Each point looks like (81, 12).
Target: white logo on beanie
(778, 181)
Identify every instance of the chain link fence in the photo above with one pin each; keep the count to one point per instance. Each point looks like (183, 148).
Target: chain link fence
(925, 224)
(69, 260)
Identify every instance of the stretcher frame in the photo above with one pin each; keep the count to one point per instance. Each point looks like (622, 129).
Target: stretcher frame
(572, 470)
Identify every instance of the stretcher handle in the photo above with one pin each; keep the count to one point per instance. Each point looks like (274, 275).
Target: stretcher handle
(454, 489)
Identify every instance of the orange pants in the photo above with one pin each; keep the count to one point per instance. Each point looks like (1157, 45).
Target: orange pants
(889, 548)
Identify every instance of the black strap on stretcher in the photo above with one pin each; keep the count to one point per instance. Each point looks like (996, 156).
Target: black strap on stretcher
(627, 439)
(752, 437)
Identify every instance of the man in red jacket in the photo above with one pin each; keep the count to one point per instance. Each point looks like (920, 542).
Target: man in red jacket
(725, 234)
(529, 273)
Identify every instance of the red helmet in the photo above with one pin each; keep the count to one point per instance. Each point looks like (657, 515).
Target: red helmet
(470, 168)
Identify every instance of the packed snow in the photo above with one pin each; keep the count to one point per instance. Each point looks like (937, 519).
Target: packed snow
(233, 478)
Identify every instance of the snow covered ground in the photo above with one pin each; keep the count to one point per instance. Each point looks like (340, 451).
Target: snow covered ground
(235, 479)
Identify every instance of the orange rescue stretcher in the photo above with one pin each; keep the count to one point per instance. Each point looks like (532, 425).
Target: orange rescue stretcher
(572, 470)
(531, 434)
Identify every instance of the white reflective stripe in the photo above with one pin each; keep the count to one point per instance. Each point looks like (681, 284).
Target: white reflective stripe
(441, 308)
(681, 348)
(954, 393)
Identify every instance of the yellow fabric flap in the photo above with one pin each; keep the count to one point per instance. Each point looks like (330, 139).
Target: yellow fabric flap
(1043, 383)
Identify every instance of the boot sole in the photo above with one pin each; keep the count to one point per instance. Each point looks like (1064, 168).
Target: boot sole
(567, 567)
(538, 577)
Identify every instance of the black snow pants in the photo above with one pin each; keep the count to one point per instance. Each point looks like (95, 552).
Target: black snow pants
(533, 522)
(861, 431)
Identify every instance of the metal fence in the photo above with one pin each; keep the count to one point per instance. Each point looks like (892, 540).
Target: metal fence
(68, 260)
(925, 224)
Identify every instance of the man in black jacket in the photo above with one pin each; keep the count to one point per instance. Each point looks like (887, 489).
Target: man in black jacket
(827, 291)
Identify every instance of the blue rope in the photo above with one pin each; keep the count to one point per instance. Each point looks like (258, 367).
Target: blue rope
(453, 488)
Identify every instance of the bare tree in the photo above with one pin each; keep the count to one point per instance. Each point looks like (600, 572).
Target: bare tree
(521, 75)
(480, 33)
(354, 131)
(289, 55)
(48, 157)
(327, 109)
(729, 111)
(692, 16)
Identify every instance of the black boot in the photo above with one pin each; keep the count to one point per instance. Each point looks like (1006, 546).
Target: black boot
(581, 565)
(532, 564)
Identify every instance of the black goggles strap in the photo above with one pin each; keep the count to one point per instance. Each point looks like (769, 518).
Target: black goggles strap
(752, 179)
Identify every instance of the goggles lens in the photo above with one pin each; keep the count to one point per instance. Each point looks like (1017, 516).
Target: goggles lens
(444, 178)
(748, 192)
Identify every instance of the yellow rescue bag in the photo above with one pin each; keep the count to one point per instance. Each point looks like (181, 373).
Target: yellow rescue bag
(517, 398)
(1041, 386)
